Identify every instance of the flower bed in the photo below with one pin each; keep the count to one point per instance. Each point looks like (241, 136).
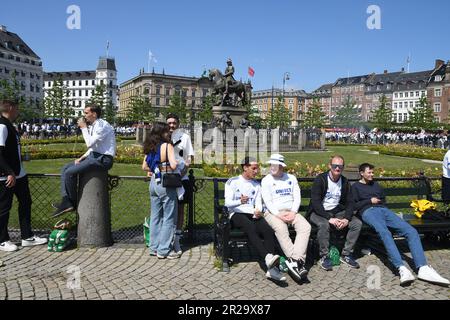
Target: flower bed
(410, 151)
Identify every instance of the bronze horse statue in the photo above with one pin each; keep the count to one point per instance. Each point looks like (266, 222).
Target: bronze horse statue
(238, 88)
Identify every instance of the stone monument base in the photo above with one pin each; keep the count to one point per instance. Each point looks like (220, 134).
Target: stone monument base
(236, 114)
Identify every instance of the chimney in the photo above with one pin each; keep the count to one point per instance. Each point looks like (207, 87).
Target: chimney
(438, 63)
(447, 71)
(3, 28)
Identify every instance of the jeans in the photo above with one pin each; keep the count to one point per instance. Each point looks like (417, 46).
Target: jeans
(323, 234)
(380, 218)
(70, 172)
(163, 218)
(22, 192)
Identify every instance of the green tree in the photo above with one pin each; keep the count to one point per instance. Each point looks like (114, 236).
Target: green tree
(279, 116)
(141, 110)
(314, 117)
(101, 99)
(422, 117)
(254, 117)
(382, 117)
(348, 116)
(206, 114)
(57, 103)
(11, 89)
(178, 106)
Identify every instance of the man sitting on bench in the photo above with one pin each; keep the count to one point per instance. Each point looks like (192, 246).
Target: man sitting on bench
(281, 195)
(243, 200)
(370, 201)
(331, 205)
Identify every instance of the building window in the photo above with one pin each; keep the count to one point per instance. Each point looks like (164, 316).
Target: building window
(395, 105)
(167, 91)
(158, 90)
(406, 95)
(401, 95)
(157, 102)
(437, 92)
(205, 92)
(400, 117)
(424, 93)
(396, 95)
(438, 78)
(167, 101)
(193, 93)
(87, 82)
(411, 104)
(437, 107)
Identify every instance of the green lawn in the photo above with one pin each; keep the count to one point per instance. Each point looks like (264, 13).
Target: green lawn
(354, 155)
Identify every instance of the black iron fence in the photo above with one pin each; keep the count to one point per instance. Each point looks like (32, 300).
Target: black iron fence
(130, 204)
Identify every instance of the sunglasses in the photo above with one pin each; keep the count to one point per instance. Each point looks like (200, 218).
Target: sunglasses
(335, 166)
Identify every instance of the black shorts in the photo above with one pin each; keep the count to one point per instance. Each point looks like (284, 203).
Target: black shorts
(187, 192)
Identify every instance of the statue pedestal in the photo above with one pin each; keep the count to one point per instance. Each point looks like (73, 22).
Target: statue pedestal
(236, 114)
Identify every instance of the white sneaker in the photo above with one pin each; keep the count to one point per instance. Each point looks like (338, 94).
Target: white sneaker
(33, 241)
(427, 273)
(275, 274)
(272, 260)
(8, 246)
(406, 277)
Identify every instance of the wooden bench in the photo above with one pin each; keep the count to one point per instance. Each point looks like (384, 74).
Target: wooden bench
(226, 237)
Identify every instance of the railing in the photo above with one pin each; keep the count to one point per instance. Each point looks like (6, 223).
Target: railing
(130, 204)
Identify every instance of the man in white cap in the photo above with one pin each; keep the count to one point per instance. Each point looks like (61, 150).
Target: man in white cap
(282, 198)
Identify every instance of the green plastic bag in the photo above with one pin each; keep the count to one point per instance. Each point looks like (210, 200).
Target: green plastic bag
(58, 240)
(283, 267)
(147, 231)
(334, 256)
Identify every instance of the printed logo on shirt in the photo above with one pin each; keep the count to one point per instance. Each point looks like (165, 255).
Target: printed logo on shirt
(284, 192)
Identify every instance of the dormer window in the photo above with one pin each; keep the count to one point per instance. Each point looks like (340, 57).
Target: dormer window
(438, 78)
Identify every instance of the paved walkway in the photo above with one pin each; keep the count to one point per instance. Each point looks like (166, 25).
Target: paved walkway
(128, 272)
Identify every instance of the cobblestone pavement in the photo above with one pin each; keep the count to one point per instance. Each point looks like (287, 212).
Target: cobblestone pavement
(128, 272)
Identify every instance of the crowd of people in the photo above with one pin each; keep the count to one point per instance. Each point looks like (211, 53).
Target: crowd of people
(56, 130)
(419, 138)
(264, 211)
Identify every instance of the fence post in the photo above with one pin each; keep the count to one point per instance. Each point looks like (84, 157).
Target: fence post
(191, 208)
(94, 224)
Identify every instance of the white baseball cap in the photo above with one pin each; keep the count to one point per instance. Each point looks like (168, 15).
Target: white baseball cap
(277, 159)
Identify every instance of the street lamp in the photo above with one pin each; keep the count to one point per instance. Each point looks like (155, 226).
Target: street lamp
(286, 76)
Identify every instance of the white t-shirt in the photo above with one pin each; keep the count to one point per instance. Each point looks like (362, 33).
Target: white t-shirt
(333, 195)
(446, 165)
(238, 186)
(3, 137)
(183, 145)
(281, 193)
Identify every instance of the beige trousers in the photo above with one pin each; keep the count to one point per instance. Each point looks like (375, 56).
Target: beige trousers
(296, 250)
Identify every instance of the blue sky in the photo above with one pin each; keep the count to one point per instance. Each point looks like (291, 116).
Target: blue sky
(316, 41)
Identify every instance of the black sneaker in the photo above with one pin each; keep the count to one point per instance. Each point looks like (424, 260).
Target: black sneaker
(293, 269)
(348, 260)
(64, 207)
(301, 269)
(325, 263)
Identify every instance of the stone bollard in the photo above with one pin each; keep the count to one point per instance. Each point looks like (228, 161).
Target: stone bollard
(94, 224)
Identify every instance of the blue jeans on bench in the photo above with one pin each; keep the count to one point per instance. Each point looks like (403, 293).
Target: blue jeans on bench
(380, 219)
